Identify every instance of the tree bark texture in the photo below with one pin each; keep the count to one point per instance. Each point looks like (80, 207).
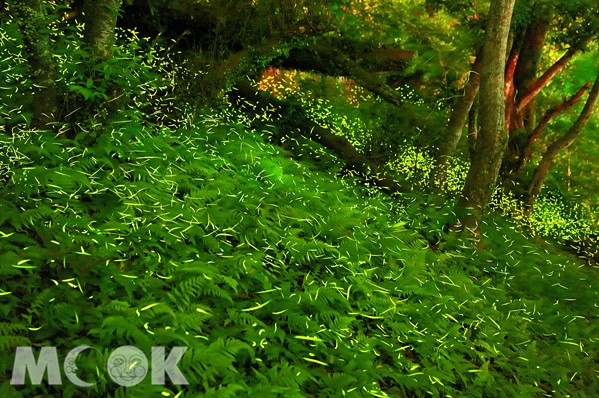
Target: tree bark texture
(100, 24)
(31, 17)
(540, 175)
(492, 137)
(525, 74)
(456, 124)
(473, 128)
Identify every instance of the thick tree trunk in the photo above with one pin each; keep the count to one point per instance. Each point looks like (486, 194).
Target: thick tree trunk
(526, 71)
(100, 23)
(456, 124)
(550, 114)
(538, 180)
(492, 138)
(31, 17)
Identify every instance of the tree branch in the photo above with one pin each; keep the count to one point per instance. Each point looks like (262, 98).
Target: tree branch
(549, 114)
(323, 58)
(384, 59)
(249, 99)
(508, 89)
(538, 180)
(536, 86)
(509, 74)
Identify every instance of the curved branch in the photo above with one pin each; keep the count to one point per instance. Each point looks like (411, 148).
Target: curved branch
(323, 58)
(538, 180)
(550, 114)
(320, 57)
(249, 99)
(536, 87)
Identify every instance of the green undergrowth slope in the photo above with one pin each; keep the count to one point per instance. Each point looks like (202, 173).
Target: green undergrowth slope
(281, 280)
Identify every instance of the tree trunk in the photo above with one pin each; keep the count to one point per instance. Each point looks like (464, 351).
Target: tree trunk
(492, 138)
(473, 128)
(456, 123)
(100, 23)
(526, 71)
(31, 17)
(324, 58)
(538, 180)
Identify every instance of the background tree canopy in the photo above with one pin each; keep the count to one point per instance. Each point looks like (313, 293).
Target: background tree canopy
(387, 198)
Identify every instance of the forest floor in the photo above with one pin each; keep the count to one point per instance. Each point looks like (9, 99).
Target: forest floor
(278, 277)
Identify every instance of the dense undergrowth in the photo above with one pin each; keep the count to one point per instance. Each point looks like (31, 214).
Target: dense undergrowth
(280, 279)
(398, 139)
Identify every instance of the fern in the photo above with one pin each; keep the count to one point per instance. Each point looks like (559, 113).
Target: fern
(280, 280)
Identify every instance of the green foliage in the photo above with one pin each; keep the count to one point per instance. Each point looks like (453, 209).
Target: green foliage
(140, 76)
(574, 168)
(373, 126)
(280, 280)
(13, 69)
(389, 137)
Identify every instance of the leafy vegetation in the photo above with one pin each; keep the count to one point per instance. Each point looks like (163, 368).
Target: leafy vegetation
(364, 121)
(154, 222)
(279, 279)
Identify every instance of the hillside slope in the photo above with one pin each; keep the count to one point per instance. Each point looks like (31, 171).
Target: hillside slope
(280, 279)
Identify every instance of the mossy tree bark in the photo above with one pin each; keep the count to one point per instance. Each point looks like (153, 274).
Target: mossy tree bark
(100, 24)
(99, 35)
(492, 138)
(538, 179)
(456, 124)
(31, 17)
